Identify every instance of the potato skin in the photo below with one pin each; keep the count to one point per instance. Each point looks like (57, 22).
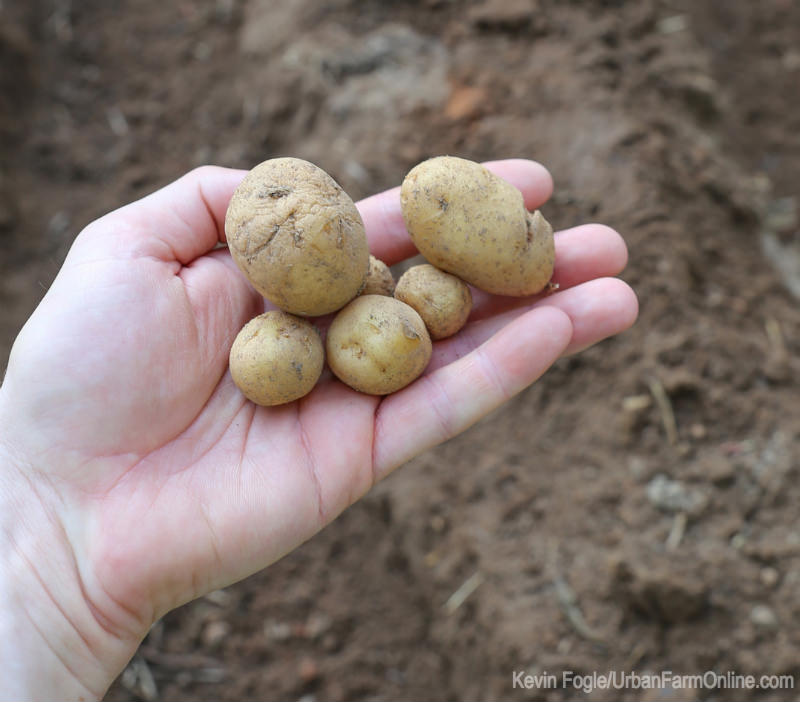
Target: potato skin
(473, 224)
(297, 237)
(378, 345)
(380, 280)
(276, 358)
(442, 300)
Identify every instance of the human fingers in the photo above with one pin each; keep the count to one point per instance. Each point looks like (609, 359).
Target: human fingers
(386, 231)
(179, 222)
(597, 309)
(445, 402)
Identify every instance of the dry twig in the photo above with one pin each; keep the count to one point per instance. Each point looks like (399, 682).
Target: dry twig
(677, 531)
(466, 588)
(569, 605)
(665, 407)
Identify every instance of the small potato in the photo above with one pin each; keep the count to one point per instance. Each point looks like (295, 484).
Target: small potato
(297, 237)
(473, 224)
(442, 300)
(378, 345)
(379, 279)
(276, 358)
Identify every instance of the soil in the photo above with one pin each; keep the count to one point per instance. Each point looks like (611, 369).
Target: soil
(589, 533)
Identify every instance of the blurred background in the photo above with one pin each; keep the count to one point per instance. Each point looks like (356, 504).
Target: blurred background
(637, 510)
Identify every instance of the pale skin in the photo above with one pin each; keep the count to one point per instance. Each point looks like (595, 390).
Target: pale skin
(136, 477)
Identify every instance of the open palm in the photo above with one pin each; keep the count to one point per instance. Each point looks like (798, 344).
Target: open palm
(165, 481)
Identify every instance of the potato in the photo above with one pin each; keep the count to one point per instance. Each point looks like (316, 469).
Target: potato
(442, 300)
(276, 358)
(378, 345)
(473, 224)
(379, 279)
(297, 237)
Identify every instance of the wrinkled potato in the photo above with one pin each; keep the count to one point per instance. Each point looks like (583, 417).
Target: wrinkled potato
(276, 358)
(378, 345)
(442, 300)
(469, 222)
(379, 279)
(297, 237)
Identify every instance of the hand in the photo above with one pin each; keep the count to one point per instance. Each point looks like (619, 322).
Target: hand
(137, 477)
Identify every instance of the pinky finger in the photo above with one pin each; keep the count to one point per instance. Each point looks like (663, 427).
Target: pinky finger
(447, 401)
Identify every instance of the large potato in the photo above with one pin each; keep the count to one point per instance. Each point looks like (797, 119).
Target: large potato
(469, 222)
(378, 345)
(297, 236)
(276, 358)
(441, 299)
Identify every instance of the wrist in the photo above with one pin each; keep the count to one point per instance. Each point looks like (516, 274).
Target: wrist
(52, 645)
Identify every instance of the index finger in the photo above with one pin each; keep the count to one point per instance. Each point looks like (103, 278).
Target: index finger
(386, 231)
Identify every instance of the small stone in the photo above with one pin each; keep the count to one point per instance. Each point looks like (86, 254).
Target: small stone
(219, 597)
(215, 632)
(764, 617)
(317, 625)
(769, 577)
(58, 224)
(673, 24)
(791, 60)
(636, 403)
(277, 631)
(673, 496)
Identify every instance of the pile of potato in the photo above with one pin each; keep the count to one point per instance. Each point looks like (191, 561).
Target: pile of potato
(300, 241)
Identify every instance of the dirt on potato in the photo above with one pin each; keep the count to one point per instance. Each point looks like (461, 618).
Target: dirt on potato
(589, 531)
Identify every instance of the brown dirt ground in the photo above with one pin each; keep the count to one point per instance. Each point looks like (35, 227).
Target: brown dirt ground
(600, 543)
